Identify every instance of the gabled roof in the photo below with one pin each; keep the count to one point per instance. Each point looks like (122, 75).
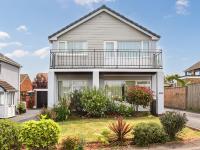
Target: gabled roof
(96, 12)
(23, 77)
(6, 86)
(193, 67)
(5, 59)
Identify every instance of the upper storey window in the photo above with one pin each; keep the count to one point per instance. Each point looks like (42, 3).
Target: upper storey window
(72, 45)
(133, 45)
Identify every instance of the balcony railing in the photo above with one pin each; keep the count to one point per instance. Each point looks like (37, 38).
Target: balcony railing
(80, 59)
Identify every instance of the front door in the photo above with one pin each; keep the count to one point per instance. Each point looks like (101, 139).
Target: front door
(110, 53)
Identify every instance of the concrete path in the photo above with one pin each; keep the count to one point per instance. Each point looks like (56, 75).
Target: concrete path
(188, 145)
(193, 118)
(30, 114)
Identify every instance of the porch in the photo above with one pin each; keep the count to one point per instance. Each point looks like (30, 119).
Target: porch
(62, 83)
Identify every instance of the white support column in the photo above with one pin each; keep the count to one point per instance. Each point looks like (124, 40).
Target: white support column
(95, 79)
(160, 93)
(158, 88)
(51, 88)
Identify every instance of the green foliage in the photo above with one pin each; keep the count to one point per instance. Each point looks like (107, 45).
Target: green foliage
(72, 143)
(75, 102)
(121, 109)
(62, 109)
(21, 107)
(94, 102)
(120, 129)
(175, 79)
(149, 133)
(49, 113)
(39, 135)
(173, 122)
(9, 135)
(104, 137)
(139, 96)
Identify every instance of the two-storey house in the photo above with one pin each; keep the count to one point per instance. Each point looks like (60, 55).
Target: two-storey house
(9, 86)
(104, 50)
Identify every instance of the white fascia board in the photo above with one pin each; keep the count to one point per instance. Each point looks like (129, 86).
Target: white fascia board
(107, 70)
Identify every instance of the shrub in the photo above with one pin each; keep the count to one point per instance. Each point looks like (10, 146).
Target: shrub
(75, 102)
(120, 129)
(149, 133)
(119, 109)
(125, 110)
(39, 135)
(21, 107)
(48, 113)
(71, 143)
(139, 96)
(173, 122)
(62, 109)
(94, 102)
(9, 135)
(104, 137)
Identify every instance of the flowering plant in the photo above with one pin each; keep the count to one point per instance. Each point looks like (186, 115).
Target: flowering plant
(139, 95)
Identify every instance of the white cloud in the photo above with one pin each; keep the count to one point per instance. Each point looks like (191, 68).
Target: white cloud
(181, 6)
(4, 35)
(90, 2)
(22, 28)
(42, 53)
(7, 44)
(17, 53)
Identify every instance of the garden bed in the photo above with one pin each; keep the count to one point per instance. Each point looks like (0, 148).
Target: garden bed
(88, 129)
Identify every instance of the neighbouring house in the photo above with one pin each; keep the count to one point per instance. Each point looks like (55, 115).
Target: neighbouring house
(40, 86)
(104, 49)
(192, 74)
(9, 86)
(26, 89)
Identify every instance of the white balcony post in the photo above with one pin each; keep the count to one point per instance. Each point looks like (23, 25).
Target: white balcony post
(95, 79)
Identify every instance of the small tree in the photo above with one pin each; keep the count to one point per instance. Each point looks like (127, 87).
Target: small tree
(137, 95)
(40, 81)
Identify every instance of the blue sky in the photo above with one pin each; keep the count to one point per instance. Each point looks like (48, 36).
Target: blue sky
(25, 26)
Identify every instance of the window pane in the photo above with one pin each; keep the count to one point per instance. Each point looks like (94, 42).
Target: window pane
(114, 88)
(67, 86)
(145, 45)
(61, 45)
(124, 45)
(2, 102)
(76, 45)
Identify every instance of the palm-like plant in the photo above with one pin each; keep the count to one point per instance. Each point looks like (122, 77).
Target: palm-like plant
(121, 129)
(171, 79)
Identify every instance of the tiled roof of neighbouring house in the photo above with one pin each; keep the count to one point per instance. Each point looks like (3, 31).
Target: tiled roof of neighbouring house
(23, 77)
(114, 12)
(193, 67)
(6, 86)
(5, 59)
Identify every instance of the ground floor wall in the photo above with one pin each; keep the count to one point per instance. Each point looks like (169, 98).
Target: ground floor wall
(72, 80)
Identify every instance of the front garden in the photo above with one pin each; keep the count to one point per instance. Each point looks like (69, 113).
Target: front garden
(90, 117)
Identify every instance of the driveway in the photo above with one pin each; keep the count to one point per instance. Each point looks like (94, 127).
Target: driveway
(31, 114)
(193, 118)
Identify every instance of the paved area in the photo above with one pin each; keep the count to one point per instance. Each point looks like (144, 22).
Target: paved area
(30, 114)
(188, 145)
(193, 118)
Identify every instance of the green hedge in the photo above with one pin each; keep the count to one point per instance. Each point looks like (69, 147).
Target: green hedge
(149, 133)
(41, 134)
(9, 135)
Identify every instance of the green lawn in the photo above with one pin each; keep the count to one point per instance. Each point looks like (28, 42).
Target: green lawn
(89, 128)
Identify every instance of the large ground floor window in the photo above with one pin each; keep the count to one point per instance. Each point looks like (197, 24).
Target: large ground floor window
(117, 88)
(65, 87)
